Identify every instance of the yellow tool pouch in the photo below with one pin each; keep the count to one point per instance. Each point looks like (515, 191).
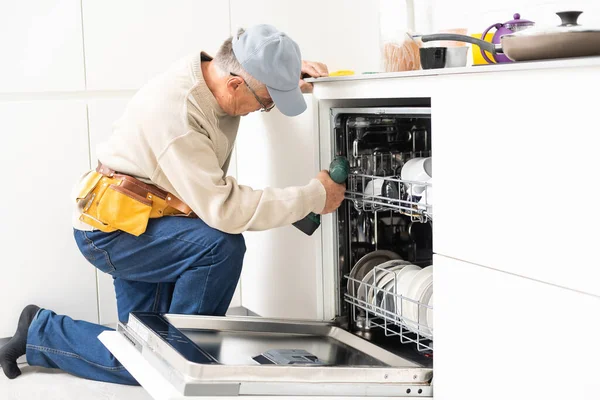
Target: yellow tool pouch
(113, 201)
(122, 209)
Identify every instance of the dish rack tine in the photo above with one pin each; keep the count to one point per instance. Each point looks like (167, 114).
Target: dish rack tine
(393, 323)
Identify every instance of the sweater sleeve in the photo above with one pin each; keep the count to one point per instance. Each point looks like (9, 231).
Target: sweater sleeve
(189, 168)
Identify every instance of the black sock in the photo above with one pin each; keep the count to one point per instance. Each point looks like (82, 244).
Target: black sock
(16, 347)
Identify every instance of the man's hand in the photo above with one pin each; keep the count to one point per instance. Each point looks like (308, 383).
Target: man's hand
(335, 192)
(311, 69)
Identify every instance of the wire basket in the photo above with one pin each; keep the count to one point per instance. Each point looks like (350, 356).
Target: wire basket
(374, 306)
(380, 193)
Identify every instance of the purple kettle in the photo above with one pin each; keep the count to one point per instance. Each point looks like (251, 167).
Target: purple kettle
(517, 24)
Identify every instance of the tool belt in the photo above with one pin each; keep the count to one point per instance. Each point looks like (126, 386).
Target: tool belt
(115, 201)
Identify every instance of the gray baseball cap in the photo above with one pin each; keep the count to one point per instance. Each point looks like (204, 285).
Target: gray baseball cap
(273, 58)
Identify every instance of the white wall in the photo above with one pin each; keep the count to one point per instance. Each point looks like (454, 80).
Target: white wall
(68, 69)
(44, 146)
(44, 149)
(344, 34)
(41, 46)
(476, 15)
(127, 42)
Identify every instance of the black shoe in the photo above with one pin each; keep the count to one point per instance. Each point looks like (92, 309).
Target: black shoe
(17, 346)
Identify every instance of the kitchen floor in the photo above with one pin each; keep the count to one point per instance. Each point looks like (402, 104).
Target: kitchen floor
(50, 384)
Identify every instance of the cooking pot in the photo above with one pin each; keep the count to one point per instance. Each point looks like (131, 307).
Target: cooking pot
(515, 25)
(566, 40)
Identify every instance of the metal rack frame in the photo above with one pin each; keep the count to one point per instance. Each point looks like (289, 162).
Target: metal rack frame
(394, 322)
(416, 207)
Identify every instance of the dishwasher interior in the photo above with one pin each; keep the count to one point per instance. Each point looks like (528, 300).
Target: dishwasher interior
(384, 228)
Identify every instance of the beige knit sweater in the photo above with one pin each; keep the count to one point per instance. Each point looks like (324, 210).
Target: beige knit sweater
(174, 134)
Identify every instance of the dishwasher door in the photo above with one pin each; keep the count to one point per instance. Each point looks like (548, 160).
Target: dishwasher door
(183, 356)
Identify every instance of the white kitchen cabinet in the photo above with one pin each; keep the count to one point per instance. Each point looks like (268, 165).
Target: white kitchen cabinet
(515, 159)
(512, 171)
(236, 301)
(500, 336)
(343, 34)
(45, 148)
(42, 48)
(280, 277)
(129, 42)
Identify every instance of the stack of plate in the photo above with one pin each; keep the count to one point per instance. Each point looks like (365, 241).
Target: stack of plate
(385, 284)
(364, 266)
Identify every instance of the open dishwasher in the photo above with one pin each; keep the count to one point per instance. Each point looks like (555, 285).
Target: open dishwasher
(379, 344)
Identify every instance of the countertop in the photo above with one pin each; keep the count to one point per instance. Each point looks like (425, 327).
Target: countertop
(517, 66)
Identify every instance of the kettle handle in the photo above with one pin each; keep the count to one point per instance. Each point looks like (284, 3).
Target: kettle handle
(497, 26)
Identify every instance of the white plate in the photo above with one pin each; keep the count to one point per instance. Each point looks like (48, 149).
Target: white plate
(383, 277)
(388, 266)
(384, 280)
(365, 264)
(426, 200)
(388, 302)
(369, 282)
(430, 314)
(403, 280)
(421, 318)
(420, 287)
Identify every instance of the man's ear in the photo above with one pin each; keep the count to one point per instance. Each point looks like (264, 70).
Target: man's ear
(234, 83)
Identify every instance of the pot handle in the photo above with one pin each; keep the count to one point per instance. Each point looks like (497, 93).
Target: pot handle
(497, 26)
(487, 46)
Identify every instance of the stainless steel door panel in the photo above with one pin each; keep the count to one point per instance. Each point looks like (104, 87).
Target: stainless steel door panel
(215, 355)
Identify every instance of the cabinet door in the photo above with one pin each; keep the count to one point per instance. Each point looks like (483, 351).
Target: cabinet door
(42, 48)
(344, 34)
(515, 174)
(43, 154)
(500, 336)
(281, 273)
(236, 300)
(129, 42)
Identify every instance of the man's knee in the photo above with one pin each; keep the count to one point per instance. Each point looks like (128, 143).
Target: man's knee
(232, 247)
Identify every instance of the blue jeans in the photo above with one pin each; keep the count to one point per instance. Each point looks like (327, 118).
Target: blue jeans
(179, 265)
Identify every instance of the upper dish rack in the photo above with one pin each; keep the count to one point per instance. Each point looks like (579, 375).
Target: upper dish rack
(374, 185)
(381, 193)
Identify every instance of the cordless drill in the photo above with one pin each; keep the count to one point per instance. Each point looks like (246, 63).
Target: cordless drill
(338, 171)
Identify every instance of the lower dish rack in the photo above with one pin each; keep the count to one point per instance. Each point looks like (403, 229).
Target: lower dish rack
(375, 304)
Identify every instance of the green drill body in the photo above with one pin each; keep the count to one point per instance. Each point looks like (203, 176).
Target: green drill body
(338, 171)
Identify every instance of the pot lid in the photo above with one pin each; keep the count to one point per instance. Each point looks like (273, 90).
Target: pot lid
(569, 24)
(517, 21)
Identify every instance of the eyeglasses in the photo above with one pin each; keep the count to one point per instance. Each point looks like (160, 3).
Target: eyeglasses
(264, 107)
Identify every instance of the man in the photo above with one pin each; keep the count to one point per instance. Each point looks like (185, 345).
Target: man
(177, 134)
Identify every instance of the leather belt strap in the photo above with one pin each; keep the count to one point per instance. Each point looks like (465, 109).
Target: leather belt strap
(143, 189)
